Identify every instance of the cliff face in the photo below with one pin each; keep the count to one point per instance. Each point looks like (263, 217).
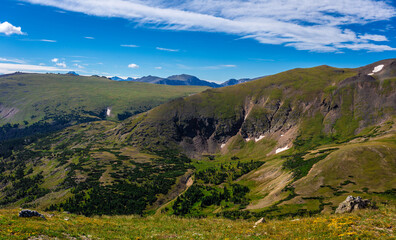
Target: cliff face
(322, 102)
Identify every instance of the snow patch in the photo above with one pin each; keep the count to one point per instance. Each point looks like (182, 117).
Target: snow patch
(259, 138)
(281, 149)
(377, 69)
(248, 139)
(108, 111)
(282, 135)
(222, 145)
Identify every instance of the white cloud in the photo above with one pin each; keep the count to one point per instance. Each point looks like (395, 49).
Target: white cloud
(12, 60)
(91, 38)
(47, 40)
(129, 45)
(377, 38)
(367, 46)
(158, 68)
(167, 49)
(78, 65)
(61, 64)
(133, 65)
(8, 29)
(302, 24)
(11, 67)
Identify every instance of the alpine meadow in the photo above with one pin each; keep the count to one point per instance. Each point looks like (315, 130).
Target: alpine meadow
(299, 143)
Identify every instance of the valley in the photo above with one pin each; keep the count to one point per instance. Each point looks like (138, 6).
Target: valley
(288, 145)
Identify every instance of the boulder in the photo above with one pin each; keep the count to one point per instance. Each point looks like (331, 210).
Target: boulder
(262, 220)
(353, 203)
(30, 213)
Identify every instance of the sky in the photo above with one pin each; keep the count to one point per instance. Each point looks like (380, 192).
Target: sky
(214, 40)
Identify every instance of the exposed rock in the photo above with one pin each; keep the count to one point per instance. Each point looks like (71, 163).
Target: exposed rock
(30, 213)
(351, 204)
(262, 220)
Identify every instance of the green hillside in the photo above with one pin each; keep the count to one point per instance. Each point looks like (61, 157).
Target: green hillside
(41, 101)
(293, 144)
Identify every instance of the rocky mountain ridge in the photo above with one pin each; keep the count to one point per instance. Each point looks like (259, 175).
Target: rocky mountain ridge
(342, 101)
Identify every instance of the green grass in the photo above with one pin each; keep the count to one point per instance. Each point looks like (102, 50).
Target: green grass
(35, 96)
(365, 224)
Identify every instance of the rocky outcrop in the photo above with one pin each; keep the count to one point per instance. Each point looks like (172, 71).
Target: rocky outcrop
(30, 213)
(351, 204)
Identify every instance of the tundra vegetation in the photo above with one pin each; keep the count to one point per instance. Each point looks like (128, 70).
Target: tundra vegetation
(288, 146)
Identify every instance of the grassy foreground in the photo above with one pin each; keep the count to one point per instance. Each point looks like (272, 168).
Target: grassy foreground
(365, 224)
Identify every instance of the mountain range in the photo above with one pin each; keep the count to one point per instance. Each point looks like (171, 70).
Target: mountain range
(290, 144)
(183, 79)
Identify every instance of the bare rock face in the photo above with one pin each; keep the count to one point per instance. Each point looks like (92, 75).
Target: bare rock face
(351, 204)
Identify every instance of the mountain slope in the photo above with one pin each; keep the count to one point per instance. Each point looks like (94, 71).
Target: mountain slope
(323, 103)
(321, 114)
(56, 99)
(293, 143)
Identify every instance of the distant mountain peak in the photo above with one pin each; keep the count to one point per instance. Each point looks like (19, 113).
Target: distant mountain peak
(72, 73)
(182, 79)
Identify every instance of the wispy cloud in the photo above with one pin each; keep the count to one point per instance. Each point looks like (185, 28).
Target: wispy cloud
(11, 67)
(302, 24)
(47, 40)
(12, 60)
(158, 68)
(220, 66)
(38, 40)
(129, 45)
(214, 67)
(133, 65)
(91, 38)
(167, 49)
(9, 29)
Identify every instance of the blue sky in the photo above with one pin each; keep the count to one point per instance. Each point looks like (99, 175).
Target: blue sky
(214, 40)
